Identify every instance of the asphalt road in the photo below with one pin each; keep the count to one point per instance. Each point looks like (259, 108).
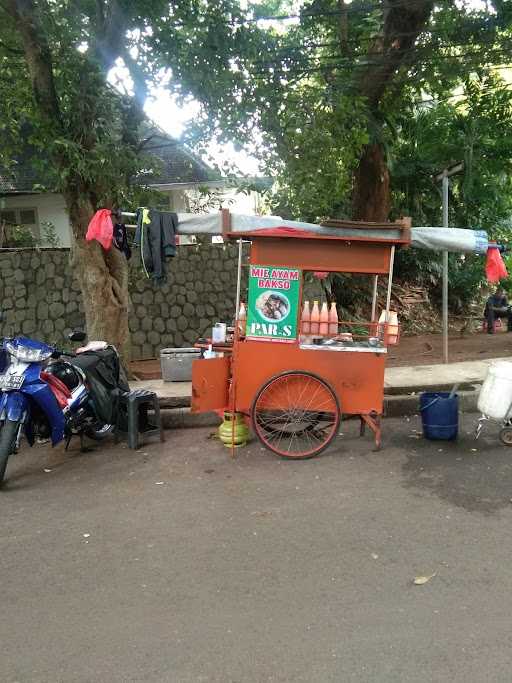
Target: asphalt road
(178, 564)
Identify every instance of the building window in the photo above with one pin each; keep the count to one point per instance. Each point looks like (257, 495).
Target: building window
(25, 217)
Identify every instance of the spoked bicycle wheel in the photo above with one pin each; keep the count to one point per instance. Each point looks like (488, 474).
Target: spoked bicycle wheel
(296, 415)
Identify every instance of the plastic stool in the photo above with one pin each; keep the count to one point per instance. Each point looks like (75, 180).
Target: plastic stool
(133, 406)
(497, 324)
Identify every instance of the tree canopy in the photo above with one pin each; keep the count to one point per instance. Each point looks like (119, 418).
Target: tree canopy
(320, 85)
(351, 106)
(55, 100)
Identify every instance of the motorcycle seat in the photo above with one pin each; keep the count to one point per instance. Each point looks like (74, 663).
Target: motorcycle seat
(93, 346)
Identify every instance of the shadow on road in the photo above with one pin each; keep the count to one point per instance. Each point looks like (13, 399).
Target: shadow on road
(474, 475)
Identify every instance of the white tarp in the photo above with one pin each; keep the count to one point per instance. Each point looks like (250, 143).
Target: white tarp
(438, 239)
(450, 239)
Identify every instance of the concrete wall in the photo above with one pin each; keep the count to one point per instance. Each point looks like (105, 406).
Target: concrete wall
(41, 298)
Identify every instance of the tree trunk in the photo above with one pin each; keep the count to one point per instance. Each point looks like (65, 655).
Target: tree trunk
(103, 276)
(371, 198)
(390, 51)
(103, 279)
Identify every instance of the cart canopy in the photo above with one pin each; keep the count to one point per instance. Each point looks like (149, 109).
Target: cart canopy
(438, 239)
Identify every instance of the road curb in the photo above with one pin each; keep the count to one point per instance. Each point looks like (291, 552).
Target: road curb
(401, 405)
(405, 405)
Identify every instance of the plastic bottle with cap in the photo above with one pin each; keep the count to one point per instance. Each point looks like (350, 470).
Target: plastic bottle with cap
(242, 317)
(324, 320)
(393, 328)
(382, 325)
(333, 320)
(305, 319)
(315, 319)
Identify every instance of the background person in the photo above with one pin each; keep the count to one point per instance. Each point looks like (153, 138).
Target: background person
(497, 307)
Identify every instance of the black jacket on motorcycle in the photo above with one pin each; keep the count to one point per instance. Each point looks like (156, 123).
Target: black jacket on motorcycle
(107, 379)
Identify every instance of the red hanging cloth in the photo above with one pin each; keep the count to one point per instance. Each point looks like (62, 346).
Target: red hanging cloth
(101, 228)
(495, 269)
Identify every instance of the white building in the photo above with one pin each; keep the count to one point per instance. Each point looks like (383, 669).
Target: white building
(182, 179)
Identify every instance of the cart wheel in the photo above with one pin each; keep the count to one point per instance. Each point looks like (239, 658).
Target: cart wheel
(506, 436)
(296, 415)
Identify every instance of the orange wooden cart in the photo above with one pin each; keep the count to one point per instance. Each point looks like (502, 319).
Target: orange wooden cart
(294, 394)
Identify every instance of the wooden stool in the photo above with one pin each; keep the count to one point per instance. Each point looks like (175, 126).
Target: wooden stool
(133, 411)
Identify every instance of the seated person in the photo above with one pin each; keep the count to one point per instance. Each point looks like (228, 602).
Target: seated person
(497, 307)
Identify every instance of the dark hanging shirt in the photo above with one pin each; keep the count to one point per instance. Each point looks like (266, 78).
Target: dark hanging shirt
(156, 235)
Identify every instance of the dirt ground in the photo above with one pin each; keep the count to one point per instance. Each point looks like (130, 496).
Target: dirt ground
(426, 349)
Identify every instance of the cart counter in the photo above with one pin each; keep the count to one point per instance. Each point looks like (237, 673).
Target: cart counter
(353, 348)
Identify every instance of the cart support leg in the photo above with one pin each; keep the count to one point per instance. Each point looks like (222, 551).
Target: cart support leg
(373, 421)
(362, 427)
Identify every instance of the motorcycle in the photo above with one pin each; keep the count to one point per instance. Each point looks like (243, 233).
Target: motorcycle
(48, 393)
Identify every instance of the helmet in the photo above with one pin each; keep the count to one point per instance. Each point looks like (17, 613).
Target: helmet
(66, 372)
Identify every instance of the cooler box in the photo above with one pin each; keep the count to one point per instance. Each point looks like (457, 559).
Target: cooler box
(177, 364)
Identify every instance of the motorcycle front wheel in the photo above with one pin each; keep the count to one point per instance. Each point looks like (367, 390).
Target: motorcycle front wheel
(7, 442)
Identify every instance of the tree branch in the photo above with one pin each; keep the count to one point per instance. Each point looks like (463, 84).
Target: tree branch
(140, 86)
(111, 33)
(38, 56)
(343, 26)
(11, 50)
(111, 43)
(402, 26)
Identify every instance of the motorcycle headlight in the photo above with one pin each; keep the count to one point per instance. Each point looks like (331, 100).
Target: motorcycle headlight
(27, 355)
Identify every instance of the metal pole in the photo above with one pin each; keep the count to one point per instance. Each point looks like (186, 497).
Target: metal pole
(390, 281)
(446, 183)
(238, 278)
(374, 298)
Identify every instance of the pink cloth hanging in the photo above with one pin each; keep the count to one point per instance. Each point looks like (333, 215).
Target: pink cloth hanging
(101, 228)
(495, 269)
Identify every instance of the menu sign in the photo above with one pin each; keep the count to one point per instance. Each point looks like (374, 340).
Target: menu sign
(273, 307)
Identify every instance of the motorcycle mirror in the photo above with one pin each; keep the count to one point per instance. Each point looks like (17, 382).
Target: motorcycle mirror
(77, 336)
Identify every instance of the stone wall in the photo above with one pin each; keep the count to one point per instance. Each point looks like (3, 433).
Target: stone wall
(40, 297)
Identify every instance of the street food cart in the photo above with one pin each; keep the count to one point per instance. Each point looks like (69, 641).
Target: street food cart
(292, 389)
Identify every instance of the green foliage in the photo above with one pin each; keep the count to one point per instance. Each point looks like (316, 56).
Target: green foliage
(466, 282)
(94, 147)
(475, 128)
(293, 92)
(49, 235)
(18, 236)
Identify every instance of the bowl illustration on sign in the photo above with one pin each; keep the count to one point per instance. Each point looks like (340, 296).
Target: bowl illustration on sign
(273, 306)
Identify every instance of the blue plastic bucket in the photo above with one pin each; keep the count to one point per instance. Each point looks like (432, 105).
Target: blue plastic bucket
(439, 415)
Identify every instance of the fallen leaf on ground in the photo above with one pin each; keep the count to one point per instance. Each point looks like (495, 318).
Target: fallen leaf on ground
(422, 580)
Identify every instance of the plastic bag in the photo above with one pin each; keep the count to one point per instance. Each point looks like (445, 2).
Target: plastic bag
(495, 268)
(101, 228)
